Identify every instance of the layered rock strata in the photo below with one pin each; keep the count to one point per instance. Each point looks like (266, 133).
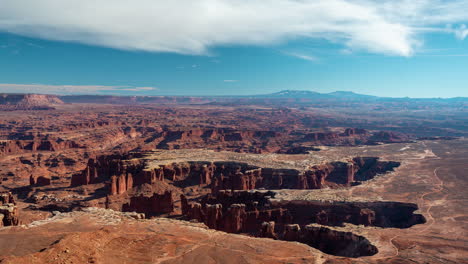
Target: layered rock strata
(381, 214)
(122, 172)
(253, 213)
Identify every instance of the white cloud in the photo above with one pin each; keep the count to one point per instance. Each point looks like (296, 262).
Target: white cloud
(461, 32)
(68, 89)
(230, 81)
(192, 27)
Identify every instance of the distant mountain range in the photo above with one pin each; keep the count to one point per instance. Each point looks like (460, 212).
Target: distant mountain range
(303, 94)
(292, 98)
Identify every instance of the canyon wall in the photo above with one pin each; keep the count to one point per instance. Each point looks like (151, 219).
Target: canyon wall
(8, 147)
(122, 172)
(255, 208)
(254, 213)
(151, 206)
(381, 214)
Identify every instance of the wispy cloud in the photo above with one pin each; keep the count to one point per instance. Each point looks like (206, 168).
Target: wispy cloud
(69, 89)
(136, 89)
(302, 56)
(34, 45)
(193, 27)
(230, 81)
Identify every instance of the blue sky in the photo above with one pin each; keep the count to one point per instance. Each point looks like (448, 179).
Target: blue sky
(380, 50)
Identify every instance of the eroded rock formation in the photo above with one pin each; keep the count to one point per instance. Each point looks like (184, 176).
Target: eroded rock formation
(150, 206)
(39, 143)
(39, 180)
(8, 210)
(254, 213)
(235, 212)
(382, 214)
(122, 172)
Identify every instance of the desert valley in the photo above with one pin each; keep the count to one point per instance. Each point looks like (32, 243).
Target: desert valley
(289, 177)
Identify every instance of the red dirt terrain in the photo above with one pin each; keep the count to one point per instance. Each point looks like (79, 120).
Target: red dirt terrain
(200, 181)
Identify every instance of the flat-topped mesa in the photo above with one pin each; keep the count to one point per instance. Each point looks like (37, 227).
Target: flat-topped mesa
(122, 172)
(240, 176)
(226, 175)
(8, 210)
(282, 140)
(28, 101)
(192, 137)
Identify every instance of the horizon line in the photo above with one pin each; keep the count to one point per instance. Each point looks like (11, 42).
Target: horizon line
(233, 96)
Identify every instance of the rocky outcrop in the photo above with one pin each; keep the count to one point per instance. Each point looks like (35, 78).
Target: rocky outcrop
(117, 170)
(355, 131)
(234, 218)
(235, 212)
(292, 232)
(6, 198)
(214, 215)
(39, 180)
(8, 210)
(120, 184)
(154, 205)
(268, 230)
